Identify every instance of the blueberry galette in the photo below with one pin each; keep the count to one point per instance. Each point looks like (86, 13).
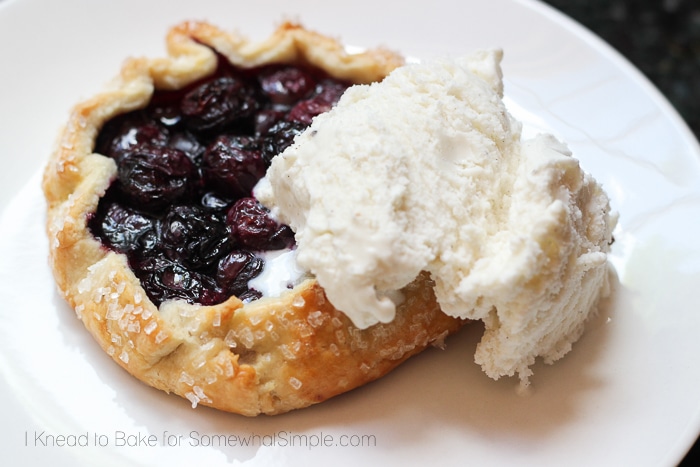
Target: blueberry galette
(158, 244)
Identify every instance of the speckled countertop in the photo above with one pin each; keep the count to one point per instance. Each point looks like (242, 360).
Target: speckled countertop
(662, 39)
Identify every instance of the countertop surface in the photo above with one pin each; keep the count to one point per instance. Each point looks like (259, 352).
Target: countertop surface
(662, 39)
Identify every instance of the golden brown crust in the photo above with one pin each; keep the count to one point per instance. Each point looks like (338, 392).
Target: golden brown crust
(268, 356)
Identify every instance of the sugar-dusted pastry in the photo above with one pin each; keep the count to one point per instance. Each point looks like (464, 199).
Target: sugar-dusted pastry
(179, 273)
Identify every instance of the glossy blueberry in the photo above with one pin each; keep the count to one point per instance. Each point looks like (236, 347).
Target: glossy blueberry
(194, 237)
(236, 269)
(253, 227)
(124, 136)
(154, 176)
(164, 279)
(327, 94)
(126, 229)
(217, 104)
(280, 137)
(232, 165)
(286, 85)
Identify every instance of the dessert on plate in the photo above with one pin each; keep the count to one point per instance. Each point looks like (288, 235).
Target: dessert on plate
(155, 237)
(260, 226)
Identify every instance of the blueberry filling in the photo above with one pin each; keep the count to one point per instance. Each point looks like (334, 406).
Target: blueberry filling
(181, 208)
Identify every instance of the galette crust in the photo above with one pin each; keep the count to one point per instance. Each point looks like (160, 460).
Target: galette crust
(268, 356)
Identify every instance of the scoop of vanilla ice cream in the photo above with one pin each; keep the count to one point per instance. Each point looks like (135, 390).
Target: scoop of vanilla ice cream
(426, 171)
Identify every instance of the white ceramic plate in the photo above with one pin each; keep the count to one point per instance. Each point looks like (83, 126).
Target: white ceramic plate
(626, 395)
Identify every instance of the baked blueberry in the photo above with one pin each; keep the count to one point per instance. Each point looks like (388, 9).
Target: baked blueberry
(181, 208)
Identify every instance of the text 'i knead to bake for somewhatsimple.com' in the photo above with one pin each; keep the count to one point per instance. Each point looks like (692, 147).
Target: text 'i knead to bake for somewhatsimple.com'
(120, 438)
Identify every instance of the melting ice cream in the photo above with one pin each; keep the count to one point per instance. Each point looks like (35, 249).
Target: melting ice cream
(427, 171)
